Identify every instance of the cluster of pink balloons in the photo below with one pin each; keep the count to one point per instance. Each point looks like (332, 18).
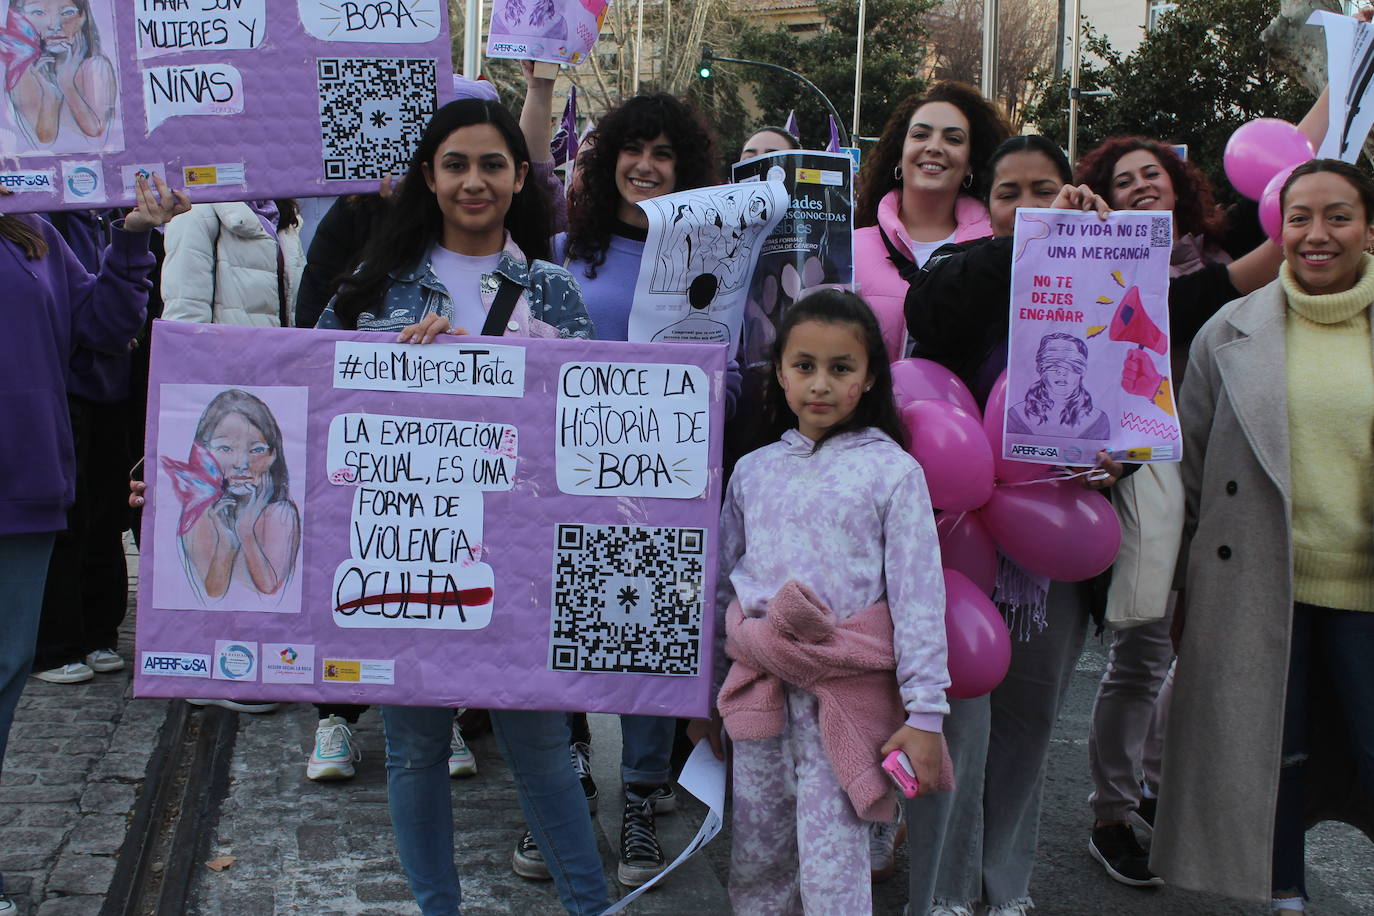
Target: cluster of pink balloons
(1259, 158)
(1049, 527)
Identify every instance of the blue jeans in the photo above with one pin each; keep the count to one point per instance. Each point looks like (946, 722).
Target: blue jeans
(646, 749)
(1344, 642)
(535, 746)
(23, 570)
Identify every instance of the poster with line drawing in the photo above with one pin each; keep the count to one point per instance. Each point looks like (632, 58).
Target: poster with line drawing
(698, 259)
(556, 31)
(1088, 365)
(512, 523)
(226, 99)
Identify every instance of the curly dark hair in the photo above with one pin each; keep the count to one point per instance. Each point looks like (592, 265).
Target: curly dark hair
(987, 128)
(1195, 209)
(413, 222)
(596, 203)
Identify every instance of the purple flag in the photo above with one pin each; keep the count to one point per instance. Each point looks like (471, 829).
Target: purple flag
(834, 145)
(791, 125)
(564, 145)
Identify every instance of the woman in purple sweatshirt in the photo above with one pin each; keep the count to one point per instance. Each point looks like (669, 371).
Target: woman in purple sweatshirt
(53, 307)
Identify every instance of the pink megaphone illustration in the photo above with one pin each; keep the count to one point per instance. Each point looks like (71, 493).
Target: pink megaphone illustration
(1132, 324)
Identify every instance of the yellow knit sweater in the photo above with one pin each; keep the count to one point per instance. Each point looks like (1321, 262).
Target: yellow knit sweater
(1331, 439)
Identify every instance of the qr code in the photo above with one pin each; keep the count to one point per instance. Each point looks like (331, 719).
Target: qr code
(1161, 233)
(627, 599)
(372, 112)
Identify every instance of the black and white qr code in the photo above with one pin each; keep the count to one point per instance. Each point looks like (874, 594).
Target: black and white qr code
(1161, 233)
(372, 112)
(627, 599)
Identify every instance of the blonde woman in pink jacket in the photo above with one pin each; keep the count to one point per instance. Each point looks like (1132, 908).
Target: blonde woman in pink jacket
(920, 189)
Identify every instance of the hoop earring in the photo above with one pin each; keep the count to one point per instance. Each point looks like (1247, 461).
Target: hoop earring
(897, 173)
(968, 181)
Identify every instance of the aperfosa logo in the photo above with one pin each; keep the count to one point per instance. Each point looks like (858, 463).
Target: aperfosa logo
(176, 664)
(28, 181)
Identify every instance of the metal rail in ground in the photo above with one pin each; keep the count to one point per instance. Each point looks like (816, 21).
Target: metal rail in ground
(169, 830)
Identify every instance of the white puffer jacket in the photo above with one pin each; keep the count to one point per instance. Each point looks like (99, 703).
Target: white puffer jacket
(221, 267)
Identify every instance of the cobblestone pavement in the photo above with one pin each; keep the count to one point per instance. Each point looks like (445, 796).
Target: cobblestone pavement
(78, 755)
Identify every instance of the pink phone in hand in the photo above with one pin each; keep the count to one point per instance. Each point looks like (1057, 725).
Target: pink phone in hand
(899, 770)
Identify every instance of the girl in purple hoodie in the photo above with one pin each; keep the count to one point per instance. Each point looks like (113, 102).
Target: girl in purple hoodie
(838, 506)
(53, 306)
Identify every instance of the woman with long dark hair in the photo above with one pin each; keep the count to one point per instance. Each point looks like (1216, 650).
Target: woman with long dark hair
(649, 146)
(460, 249)
(921, 187)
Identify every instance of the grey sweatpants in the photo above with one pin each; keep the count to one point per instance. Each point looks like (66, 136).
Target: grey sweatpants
(978, 842)
(1129, 717)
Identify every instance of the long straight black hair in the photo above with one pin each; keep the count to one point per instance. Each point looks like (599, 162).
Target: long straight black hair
(414, 222)
(876, 407)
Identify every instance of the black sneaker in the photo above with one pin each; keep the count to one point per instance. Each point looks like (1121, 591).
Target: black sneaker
(1120, 853)
(641, 858)
(661, 798)
(581, 753)
(1144, 815)
(527, 861)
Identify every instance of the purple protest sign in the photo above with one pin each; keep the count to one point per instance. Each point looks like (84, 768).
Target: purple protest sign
(229, 99)
(553, 31)
(1088, 366)
(500, 523)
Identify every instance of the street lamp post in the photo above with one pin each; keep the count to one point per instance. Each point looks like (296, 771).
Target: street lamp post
(706, 54)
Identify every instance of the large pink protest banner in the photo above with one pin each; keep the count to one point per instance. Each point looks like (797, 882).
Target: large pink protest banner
(1088, 363)
(229, 99)
(500, 523)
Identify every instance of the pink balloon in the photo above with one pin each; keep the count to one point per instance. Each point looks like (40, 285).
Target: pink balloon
(1059, 529)
(951, 449)
(979, 644)
(1270, 213)
(1258, 150)
(967, 547)
(924, 380)
(1004, 470)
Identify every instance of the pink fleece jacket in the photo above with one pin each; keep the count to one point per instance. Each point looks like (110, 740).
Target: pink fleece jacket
(876, 276)
(848, 665)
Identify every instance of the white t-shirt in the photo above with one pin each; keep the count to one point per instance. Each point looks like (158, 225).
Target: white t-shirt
(462, 276)
(921, 251)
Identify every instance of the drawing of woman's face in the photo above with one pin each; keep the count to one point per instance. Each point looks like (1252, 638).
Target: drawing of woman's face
(57, 22)
(242, 453)
(1060, 378)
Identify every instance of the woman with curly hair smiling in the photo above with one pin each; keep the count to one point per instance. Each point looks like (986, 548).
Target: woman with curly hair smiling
(650, 146)
(921, 187)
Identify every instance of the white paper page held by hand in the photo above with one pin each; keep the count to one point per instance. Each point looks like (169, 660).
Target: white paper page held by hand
(704, 777)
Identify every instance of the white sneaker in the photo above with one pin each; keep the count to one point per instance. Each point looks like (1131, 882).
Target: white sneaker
(461, 761)
(1015, 909)
(70, 673)
(941, 909)
(334, 753)
(105, 660)
(883, 840)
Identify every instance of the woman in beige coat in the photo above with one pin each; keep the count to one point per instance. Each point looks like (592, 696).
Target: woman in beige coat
(1272, 725)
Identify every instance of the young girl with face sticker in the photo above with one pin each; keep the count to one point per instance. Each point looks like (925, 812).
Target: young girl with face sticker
(837, 507)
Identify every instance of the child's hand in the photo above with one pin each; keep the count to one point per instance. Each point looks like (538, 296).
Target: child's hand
(924, 750)
(710, 730)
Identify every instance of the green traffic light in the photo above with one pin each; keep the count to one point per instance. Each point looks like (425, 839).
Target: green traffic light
(704, 71)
